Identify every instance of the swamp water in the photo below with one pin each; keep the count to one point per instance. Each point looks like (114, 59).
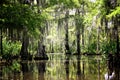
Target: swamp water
(58, 67)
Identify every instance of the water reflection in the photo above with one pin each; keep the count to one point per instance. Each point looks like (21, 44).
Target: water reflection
(110, 75)
(9, 71)
(27, 70)
(41, 70)
(98, 69)
(117, 67)
(69, 68)
(33, 70)
(78, 68)
(83, 71)
(1, 74)
(113, 64)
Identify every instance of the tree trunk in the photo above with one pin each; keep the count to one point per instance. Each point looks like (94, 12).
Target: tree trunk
(82, 37)
(40, 50)
(83, 13)
(24, 49)
(78, 32)
(52, 48)
(38, 5)
(43, 3)
(116, 34)
(78, 41)
(41, 53)
(10, 33)
(67, 49)
(106, 26)
(98, 37)
(1, 47)
(18, 35)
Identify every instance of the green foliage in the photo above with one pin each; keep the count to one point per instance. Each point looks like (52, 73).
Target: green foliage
(114, 12)
(65, 3)
(79, 20)
(92, 48)
(21, 16)
(15, 15)
(10, 48)
(71, 3)
(108, 47)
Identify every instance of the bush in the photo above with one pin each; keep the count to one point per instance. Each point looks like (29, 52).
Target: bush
(10, 48)
(108, 47)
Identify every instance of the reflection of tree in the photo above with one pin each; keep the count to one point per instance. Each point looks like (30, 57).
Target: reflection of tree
(93, 67)
(27, 69)
(67, 68)
(33, 70)
(10, 71)
(98, 69)
(117, 72)
(117, 67)
(113, 64)
(1, 72)
(41, 69)
(78, 68)
(83, 69)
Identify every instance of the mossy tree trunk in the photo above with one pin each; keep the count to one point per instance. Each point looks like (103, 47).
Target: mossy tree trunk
(116, 24)
(25, 42)
(83, 13)
(98, 37)
(41, 53)
(67, 48)
(78, 31)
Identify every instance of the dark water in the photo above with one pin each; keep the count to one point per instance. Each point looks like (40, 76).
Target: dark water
(58, 67)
